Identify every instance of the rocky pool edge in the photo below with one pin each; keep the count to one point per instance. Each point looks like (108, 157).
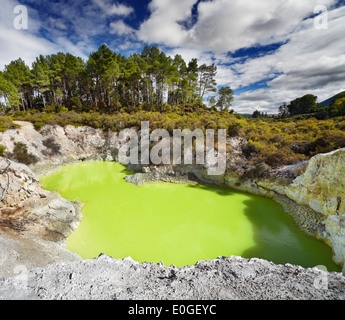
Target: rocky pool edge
(101, 148)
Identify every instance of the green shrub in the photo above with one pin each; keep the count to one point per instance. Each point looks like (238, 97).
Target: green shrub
(2, 151)
(250, 148)
(49, 109)
(20, 154)
(271, 141)
(259, 171)
(75, 104)
(7, 123)
(38, 125)
(52, 147)
(234, 129)
(275, 158)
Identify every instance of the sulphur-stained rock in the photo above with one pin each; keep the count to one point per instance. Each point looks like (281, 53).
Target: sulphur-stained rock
(322, 185)
(335, 234)
(322, 188)
(25, 207)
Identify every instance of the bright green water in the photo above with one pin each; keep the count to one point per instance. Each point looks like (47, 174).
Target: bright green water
(178, 224)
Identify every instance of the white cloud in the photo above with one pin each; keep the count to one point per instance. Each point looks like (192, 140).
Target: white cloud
(114, 9)
(77, 49)
(313, 61)
(19, 43)
(224, 25)
(162, 26)
(121, 28)
(269, 99)
(57, 23)
(28, 44)
(128, 46)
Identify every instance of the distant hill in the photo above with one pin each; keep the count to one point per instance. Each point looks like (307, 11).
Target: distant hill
(246, 115)
(329, 101)
(250, 115)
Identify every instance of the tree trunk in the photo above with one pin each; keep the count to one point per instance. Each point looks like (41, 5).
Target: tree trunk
(116, 102)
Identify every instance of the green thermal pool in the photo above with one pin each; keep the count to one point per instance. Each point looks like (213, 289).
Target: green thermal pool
(178, 224)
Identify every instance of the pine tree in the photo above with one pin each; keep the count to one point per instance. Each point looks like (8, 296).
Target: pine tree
(18, 73)
(9, 93)
(207, 82)
(107, 81)
(225, 97)
(103, 72)
(41, 79)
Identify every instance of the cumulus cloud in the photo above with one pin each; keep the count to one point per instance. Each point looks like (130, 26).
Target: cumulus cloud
(224, 25)
(312, 61)
(114, 9)
(163, 24)
(57, 23)
(121, 28)
(19, 43)
(28, 44)
(269, 99)
(230, 25)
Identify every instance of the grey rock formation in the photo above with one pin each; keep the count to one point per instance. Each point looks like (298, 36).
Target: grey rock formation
(26, 252)
(322, 188)
(322, 185)
(27, 208)
(18, 184)
(230, 278)
(55, 144)
(32, 221)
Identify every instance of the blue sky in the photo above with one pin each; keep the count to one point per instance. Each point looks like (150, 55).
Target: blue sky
(267, 51)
